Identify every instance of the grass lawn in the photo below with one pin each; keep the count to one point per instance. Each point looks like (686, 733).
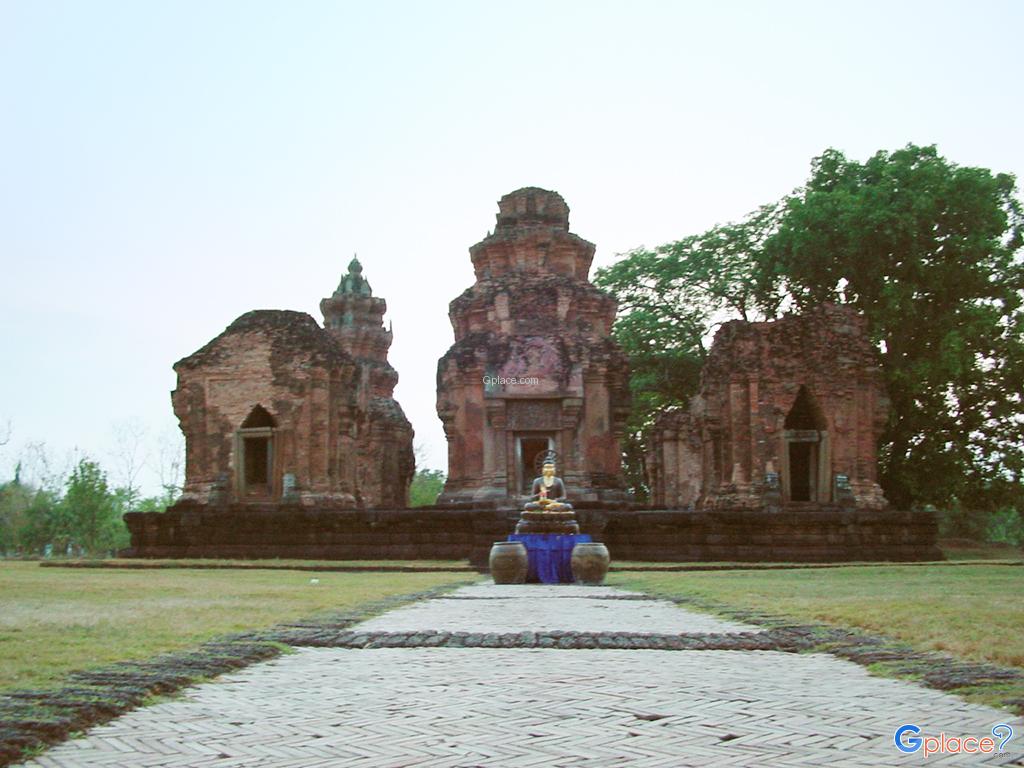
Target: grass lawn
(974, 612)
(143, 563)
(56, 620)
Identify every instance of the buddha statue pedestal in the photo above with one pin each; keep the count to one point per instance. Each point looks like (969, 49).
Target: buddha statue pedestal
(550, 533)
(551, 517)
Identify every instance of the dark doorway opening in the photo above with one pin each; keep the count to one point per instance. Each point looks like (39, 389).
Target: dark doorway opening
(532, 451)
(800, 470)
(255, 459)
(257, 466)
(805, 433)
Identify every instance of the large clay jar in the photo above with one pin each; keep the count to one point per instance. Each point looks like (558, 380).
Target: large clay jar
(508, 562)
(590, 563)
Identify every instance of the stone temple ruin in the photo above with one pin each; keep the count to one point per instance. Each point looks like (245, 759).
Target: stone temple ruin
(277, 408)
(789, 415)
(297, 448)
(533, 368)
(286, 423)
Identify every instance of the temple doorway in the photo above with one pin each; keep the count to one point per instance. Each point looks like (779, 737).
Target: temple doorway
(805, 456)
(530, 453)
(255, 448)
(802, 460)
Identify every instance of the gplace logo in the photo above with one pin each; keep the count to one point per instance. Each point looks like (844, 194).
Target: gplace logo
(908, 740)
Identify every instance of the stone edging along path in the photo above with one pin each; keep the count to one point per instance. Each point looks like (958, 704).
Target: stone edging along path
(891, 657)
(32, 719)
(142, 565)
(885, 655)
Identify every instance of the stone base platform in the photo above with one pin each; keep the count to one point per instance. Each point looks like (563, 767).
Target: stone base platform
(438, 533)
(819, 535)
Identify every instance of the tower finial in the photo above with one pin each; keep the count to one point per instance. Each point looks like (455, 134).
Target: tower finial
(353, 281)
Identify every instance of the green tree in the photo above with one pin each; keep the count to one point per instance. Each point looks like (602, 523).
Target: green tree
(426, 485)
(91, 511)
(28, 518)
(929, 251)
(42, 522)
(15, 499)
(159, 503)
(669, 298)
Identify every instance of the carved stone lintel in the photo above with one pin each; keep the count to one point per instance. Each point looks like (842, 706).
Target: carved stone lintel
(534, 414)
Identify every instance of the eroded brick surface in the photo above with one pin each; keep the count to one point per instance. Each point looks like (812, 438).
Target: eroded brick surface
(278, 410)
(536, 328)
(811, 381)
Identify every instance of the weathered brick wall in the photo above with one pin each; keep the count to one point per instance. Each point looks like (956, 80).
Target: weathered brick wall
(675, 474)
(336, 430)
(532, 314)
(285, 363)
(290, 531)
(824, 535)
(384, 453)
(244, 531)
(734, 435)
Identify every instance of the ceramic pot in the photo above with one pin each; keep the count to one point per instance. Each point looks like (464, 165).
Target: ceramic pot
(590, 563)
(508, 562)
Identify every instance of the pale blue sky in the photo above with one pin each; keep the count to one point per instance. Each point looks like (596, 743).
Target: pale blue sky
(165, 167)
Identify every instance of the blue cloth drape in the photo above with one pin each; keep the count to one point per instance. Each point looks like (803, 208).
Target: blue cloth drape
(550, 555)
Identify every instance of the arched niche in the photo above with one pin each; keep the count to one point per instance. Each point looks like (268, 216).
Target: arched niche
(254, 451)
(806, 455)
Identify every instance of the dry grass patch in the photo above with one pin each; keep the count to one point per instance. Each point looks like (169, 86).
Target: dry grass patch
(54, 620)
(974, 612)
(268, 563)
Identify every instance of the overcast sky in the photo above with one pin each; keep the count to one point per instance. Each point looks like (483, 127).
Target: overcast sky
(168, 166)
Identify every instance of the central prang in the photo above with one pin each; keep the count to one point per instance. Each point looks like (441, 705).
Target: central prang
(549, 511)
(534, 367)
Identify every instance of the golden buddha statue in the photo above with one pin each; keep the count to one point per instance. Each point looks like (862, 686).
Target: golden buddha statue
(548, 492)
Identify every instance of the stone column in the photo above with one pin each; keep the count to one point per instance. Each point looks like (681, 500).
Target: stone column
(476, 433)
(572, 461)
(497, 445)
(739, 424)
(755, 444)
(595, 429)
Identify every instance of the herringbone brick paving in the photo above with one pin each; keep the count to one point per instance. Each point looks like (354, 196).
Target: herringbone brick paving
(544, 607)
(515, 708)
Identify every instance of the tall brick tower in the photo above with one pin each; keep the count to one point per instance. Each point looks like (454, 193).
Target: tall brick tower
(533, 368)
(355, 317)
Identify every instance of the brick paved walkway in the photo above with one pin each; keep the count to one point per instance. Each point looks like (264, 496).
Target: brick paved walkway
(465, 707)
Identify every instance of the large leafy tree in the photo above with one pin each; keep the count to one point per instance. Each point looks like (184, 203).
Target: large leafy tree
(669, 297)
(931, 253)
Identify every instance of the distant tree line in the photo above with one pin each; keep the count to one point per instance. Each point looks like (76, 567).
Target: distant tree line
(77, 515)
(79, 512)
(929, 251)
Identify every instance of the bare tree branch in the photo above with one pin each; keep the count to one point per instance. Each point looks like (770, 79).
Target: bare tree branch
(170, 463)
(129, 454)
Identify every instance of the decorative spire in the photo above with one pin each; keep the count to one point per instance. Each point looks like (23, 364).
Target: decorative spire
(354, 283)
